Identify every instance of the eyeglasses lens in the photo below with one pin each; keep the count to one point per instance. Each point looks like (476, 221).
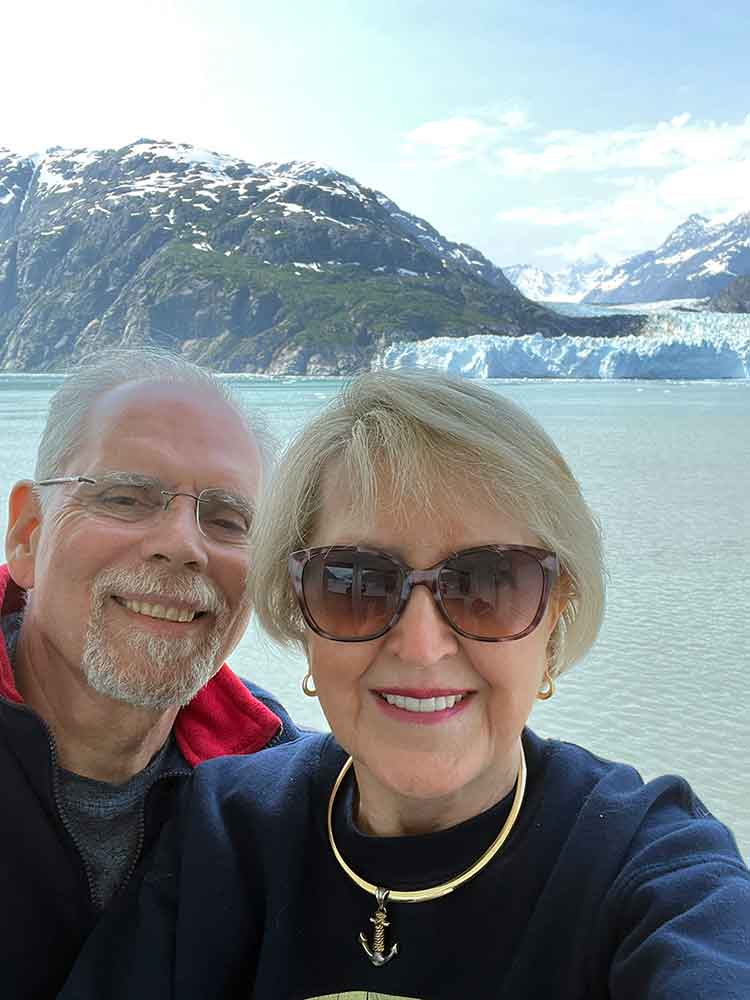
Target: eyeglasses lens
(221, 519)
(486, 594)
(125, 501)
(492, 595)
(351, 596)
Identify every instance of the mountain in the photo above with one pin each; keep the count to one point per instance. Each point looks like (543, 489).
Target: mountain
(735, 298)
(698, 259)
(567, 285)
(282, 267)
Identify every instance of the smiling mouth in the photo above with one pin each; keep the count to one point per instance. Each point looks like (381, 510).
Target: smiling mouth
(161, 611)
(420, 705)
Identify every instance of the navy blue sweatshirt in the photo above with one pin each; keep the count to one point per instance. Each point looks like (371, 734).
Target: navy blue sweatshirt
(47, 905)
(606, 888)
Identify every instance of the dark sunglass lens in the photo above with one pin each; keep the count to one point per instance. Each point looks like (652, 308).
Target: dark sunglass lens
(492, 595)
(351, 595)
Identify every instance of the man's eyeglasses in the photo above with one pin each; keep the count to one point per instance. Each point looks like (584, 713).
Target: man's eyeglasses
(220, 516)
(493, 593)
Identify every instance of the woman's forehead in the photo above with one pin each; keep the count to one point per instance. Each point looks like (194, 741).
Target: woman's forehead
(393, 495)
(450, 513)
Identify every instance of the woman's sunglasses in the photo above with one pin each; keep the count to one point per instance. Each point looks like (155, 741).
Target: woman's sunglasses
(493, 593)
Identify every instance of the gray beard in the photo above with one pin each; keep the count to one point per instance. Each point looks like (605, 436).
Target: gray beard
(148, 671)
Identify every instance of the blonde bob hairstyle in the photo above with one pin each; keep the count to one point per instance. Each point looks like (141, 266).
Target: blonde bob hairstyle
(430, 443)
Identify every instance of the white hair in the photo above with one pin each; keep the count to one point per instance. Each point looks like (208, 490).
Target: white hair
(434, 442)
(69, 408)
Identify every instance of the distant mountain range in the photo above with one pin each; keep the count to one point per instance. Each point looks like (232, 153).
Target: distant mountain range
(698, 259)
(567, 285)
(282, 267)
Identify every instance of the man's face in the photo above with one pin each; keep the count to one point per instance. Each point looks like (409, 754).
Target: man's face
(147, 610)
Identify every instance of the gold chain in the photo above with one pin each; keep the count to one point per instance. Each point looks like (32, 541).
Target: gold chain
(423, 895)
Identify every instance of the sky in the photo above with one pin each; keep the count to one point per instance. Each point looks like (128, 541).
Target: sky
(539, 132)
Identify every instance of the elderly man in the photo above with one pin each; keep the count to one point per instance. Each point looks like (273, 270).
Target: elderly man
(124, 592)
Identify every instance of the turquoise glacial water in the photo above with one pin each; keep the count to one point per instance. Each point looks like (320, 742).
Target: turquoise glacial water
(667, 468)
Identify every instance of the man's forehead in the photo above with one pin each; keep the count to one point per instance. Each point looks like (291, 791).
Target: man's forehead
(167, 429)
(152, 396)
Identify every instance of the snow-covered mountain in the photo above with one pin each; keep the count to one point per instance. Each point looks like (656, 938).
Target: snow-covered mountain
(699, 258)
(279, 267)
(570, 284)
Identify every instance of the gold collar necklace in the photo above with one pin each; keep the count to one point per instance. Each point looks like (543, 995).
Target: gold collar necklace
(376, 951)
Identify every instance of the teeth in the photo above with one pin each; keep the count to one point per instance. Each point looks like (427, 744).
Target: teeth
(159, 611)
(438, 704)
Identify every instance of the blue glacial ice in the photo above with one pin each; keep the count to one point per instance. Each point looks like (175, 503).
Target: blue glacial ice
(673, 346)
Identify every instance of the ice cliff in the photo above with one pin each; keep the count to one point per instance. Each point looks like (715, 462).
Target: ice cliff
(674, 346)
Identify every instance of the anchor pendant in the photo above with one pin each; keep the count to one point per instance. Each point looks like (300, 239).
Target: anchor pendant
(379, 919)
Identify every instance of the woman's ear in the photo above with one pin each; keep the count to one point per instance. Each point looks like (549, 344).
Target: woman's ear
(24, 520)
(561, 596)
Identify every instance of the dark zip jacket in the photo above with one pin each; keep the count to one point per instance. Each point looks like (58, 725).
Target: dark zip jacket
(46, 909)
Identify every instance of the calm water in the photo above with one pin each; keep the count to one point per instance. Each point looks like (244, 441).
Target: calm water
(667, 468)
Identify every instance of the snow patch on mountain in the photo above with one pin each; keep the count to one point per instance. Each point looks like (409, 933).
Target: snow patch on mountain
(213, 163)
(164, 172)
(570, 284)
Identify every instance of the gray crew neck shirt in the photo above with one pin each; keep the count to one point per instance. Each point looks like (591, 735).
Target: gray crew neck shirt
(106, 821)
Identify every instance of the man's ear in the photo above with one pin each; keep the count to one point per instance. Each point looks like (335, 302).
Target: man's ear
(22, 536)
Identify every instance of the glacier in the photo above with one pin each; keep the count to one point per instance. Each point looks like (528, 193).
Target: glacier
(672, 346)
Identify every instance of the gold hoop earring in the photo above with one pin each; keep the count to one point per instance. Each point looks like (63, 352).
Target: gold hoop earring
(308, 686)
(547, 689)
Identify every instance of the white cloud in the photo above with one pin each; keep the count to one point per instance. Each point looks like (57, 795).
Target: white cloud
(516, 120)
(583, 248)
(451, 139)
(673, 169)
(464, 137)
(543, 215)
(615, 191)
(691, 160)
(667, 145)
(639, 218)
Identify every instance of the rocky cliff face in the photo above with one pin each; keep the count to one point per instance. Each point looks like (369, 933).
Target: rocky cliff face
(735, 298)
(289, 268)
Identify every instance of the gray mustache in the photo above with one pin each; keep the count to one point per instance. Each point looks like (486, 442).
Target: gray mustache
(147, 583)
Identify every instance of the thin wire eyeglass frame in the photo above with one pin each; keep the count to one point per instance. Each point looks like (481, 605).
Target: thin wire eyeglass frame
(169, 494)
(548, 561)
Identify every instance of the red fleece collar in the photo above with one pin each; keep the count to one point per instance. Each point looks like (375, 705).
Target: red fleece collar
(223, 718)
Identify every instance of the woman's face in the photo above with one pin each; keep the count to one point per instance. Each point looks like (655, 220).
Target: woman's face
(467, 757)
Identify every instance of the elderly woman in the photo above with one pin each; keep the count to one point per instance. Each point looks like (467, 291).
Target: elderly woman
(429, 548)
